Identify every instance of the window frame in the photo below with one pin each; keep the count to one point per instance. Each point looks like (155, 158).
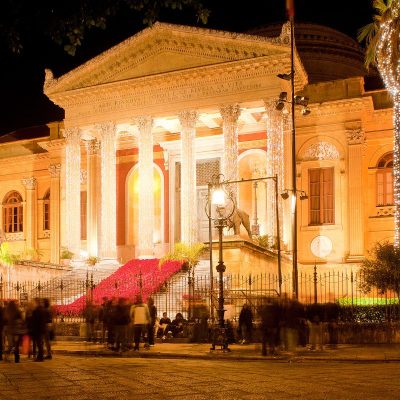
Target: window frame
(384, 169)
(324, 196)
(13, 213)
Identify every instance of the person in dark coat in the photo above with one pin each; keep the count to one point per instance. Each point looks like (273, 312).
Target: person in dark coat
(39, 326)
(153, 316)
(14, 328)
(49, 335)
(246, 323)
(270, 318)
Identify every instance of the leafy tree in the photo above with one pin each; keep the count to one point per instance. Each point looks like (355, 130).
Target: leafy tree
(382, 38)
(6, 257)
(67, 23)
(382, 270)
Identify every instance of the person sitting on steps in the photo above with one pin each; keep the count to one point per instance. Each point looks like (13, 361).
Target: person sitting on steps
(164, 326)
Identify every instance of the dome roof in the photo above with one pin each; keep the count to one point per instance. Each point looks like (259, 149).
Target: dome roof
(326, 53)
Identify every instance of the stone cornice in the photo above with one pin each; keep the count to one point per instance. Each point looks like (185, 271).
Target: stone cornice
(24, 159)
(346, 106)
(200, 42)
(53, 145)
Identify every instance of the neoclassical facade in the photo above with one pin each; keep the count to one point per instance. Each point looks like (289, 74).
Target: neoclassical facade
(149, 122)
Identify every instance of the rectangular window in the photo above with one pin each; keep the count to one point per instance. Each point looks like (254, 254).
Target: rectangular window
(83, 215)
(321, 189)
(46, 215)
(384, 188)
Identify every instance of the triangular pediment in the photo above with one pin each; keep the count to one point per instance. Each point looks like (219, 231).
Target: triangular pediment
(166, 48)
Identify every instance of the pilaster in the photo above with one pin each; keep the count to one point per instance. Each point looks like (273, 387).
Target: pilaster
(54, 170)
(31, 212)
(356, 141)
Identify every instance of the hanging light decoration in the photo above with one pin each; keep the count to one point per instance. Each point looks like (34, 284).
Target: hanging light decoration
(388, 60)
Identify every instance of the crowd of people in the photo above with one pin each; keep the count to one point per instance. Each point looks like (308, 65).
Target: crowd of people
(286, 323)
(125, 325)
(28, 327)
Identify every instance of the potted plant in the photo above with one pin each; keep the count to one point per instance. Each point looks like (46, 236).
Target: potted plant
(92, 260)
(66, 256)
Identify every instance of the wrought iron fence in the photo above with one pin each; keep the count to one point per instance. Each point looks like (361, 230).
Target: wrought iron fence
(193, 296)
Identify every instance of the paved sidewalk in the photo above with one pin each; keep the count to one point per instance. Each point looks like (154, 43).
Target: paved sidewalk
(349, 353)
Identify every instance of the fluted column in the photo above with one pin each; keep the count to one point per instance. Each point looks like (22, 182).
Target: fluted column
(73, 191)
(93, 196)
(108, 219)
(230, 168)
(31, 212)
(146, 192)
(275, 166)
(188, 120)
(54, 170)
(356, 140)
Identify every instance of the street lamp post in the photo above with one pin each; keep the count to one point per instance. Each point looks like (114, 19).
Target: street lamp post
(218, 197)
(295, 101)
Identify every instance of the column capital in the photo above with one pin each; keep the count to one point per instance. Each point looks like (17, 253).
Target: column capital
(72, 133)
(355, 136)
(230, 113)
(54, 170)
(106, 129)
(92, 146)
(188, 118)
(144, 123)
(29, 183)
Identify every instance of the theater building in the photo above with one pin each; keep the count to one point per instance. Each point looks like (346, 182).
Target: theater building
(149, 122)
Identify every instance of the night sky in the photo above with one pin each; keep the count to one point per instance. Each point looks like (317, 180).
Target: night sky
(23, 105)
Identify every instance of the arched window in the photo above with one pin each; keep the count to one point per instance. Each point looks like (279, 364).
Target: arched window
(46, 211)
(13, 213)
(384, 181)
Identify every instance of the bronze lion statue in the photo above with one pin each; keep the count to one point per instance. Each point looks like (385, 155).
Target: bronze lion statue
(237, 218)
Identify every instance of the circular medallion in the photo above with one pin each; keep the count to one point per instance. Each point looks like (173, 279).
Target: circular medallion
(321, 246)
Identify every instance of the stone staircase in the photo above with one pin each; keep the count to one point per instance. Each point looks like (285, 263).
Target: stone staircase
(171, 297)
(73, 284)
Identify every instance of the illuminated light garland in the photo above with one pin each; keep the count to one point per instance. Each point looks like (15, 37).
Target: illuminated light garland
(188, 121)
(275, 166)
(389, 69)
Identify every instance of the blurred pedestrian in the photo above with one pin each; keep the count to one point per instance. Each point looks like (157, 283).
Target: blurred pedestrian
(39, 326)
(246, 323)
(153, 316)
(140, 318)
(14, 329)
(49, 334)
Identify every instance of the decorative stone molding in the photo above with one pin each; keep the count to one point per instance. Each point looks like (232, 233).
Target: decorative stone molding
(144, 123)
(54, 170)
(29, 183)
(355, 136)
(92, 146)
(13, 237)
(83, 176)
(46, 234)
(385, 211)
(321, 151)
